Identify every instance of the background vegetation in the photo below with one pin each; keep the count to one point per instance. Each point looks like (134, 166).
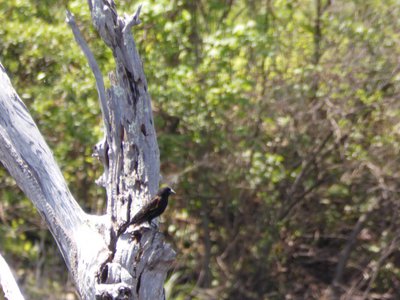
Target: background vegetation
(278, 124)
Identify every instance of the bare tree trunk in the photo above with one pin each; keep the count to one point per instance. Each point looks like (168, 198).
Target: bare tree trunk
(104, 261)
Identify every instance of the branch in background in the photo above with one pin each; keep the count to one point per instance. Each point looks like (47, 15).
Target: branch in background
(345, 253)
(289, 207)
(385, 253)
(227, 10)
(306, 164)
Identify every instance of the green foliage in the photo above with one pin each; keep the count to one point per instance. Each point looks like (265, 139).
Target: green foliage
(278, 121)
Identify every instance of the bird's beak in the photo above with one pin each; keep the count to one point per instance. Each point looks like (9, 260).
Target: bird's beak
(172, 191)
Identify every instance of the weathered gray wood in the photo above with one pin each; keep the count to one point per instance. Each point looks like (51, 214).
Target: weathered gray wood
(132, 164)
(105, 262)
(8, 283)
(29, 160)
(130, 156)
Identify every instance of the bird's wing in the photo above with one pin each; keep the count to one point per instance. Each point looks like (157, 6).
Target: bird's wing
(146, 210)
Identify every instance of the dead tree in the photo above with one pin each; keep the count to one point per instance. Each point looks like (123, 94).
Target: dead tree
(104, 261)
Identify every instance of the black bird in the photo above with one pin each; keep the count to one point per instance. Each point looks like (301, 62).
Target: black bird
(154, 208)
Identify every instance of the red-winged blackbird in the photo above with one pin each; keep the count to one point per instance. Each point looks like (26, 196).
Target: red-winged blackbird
(154, 208)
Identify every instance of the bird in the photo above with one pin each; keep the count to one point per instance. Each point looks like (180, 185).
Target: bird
(154, 208)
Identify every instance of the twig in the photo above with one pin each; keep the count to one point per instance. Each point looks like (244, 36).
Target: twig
(92, 64)
(393, 246)
(133, 20)
(307, 164)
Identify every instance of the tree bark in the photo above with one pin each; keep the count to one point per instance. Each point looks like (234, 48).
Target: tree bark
(104, 261)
